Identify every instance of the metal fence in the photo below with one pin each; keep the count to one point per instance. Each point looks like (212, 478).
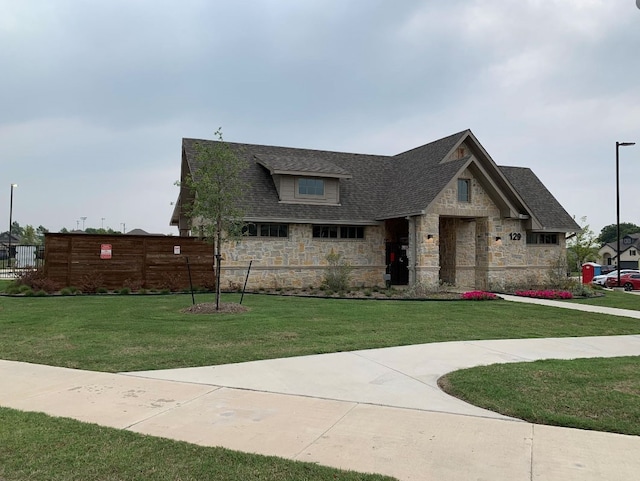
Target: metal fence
(19, 258)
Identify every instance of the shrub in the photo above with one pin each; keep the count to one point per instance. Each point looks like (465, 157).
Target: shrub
(478, 296)
(421, 289)
(125, 291)
(91, 283)
(66, 292)
(37, 281)
(172, 281)
(337, 274)
(102, 290)
(134, 285)
(40, 293)
(13, 290)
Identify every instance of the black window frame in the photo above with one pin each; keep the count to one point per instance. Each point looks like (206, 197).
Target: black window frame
(329, 231)
(541, 238)
(269, 230)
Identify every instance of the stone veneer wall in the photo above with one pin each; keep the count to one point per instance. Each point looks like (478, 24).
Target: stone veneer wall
(480, 261)
(300, 260)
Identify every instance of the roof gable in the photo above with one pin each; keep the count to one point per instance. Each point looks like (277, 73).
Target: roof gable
(427, 170)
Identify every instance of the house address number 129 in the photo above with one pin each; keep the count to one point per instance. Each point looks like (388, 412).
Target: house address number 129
(516, 236)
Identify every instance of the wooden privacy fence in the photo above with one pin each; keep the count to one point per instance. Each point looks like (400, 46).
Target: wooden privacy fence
(89, 261)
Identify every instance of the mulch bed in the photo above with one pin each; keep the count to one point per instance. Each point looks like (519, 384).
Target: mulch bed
(210, 308)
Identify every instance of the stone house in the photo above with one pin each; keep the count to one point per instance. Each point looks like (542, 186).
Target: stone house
(440, 213)
(629, 252)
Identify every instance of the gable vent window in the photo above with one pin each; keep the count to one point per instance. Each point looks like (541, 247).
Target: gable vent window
(266, 230)
(338, 232)
(464, 190)
(311, 187)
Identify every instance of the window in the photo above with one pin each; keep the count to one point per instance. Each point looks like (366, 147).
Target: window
(464, 190)
(338, 232)
(537, 238)
(314, 187)
(632, 252)
(266, 230)
(351, 232)
(325, 231)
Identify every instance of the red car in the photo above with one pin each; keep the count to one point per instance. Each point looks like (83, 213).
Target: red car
(630, 281)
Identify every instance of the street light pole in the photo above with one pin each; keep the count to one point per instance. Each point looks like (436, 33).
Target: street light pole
(10, 222)
(618, 145)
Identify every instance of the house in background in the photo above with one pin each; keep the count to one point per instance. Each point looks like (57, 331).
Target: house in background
(4, 244)
(629, 250)
(440, 213)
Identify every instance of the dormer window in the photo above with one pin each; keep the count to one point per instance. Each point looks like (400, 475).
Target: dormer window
(307, 187)
(305, 179)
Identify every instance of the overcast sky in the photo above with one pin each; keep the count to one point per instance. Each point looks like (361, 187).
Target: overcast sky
(95, 96)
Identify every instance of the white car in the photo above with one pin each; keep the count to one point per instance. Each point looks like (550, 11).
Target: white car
(601, 280)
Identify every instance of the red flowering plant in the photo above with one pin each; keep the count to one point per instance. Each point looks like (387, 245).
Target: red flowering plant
(478, 296)
(545, 294)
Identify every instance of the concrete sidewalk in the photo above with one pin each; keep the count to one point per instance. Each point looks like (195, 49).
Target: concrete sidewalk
(373, 411)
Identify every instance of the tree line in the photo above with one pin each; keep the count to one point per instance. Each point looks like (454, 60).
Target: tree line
(30, 235)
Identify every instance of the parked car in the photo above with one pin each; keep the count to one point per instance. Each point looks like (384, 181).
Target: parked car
(601, 280)
(629, 281)
(606, 269)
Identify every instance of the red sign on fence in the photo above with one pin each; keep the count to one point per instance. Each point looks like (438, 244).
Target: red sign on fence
(105, 251)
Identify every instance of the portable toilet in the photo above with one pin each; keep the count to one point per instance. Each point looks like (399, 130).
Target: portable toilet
(589, 271)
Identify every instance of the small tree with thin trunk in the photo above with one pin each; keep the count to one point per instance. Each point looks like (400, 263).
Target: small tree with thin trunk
(217, 185)
(583, 245)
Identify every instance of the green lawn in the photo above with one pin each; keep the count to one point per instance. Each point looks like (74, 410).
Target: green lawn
(122, 333)
(37, 447)
(597, 394)
(126, 333)
(621, 300)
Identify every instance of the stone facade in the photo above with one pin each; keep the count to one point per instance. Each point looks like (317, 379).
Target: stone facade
(301, 260)
(465, 244)
(470, 245)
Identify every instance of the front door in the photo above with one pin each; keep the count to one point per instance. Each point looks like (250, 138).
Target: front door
(397, 263)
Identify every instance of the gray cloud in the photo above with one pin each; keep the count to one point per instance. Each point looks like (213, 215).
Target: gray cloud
(96, 96)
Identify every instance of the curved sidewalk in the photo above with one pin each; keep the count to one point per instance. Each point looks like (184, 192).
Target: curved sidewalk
(376, 410)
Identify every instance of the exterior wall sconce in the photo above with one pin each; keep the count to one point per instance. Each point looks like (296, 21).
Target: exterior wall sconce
(498, 240)
(430, 238)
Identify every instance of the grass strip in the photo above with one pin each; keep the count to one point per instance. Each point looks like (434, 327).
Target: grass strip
(617, 299)
(37, 447)
(601, 394)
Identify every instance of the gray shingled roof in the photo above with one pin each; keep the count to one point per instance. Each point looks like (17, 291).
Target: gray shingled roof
(308, 164)
(380, 187)
(540, 201)
(359, 196)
